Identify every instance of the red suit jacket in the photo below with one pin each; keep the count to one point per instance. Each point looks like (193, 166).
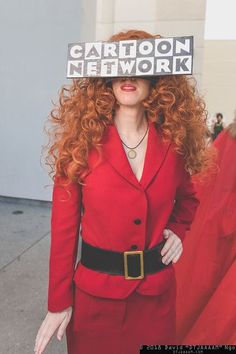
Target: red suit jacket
(112, 200)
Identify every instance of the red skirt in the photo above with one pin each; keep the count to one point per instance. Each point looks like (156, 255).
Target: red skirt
(120, 326)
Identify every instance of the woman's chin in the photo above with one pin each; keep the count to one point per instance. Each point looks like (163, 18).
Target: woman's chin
(130, 103)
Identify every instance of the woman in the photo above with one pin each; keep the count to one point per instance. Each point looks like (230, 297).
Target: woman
(206, 307)
(218, 126)
(122, 155)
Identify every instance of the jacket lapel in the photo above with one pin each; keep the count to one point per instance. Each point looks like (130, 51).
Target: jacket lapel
(114, 153)
(156, 153)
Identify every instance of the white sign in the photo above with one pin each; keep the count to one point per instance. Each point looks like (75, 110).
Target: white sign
(146, 57)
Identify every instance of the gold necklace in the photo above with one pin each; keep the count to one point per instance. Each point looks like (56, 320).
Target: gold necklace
(132, 153)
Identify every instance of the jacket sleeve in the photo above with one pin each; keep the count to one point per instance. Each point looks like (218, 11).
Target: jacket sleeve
(65, 223)
(185, 207)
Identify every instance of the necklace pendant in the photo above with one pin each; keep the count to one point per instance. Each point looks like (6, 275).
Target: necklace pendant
(132, 154)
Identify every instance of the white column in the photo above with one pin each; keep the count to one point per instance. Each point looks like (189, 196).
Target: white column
(104, 20)
(183, 18)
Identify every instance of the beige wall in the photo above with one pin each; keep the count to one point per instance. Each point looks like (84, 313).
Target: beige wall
(167, 17)
(219, 78)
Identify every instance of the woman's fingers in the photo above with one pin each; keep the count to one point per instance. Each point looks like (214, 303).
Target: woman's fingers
(168, 244)
(51, 323)
(166, 233)
(39, 337)
(172, 249)
(63, 326)
(172, 254)
(44, 340)
(45, 334)
(177, 256)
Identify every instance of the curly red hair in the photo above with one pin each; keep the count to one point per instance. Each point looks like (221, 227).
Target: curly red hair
(86, 108)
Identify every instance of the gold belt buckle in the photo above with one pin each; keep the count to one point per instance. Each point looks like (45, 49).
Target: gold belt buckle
(126, 254)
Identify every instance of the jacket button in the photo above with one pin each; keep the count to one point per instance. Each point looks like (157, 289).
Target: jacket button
(134, 247)
(137, 221)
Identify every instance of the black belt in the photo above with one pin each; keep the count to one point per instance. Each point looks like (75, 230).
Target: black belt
(131, 264)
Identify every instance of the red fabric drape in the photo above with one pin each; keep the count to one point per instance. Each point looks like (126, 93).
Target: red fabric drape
(206, 287)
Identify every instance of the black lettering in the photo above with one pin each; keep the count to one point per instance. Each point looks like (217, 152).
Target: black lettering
(181, 64)
(164, 47)
(144, 66)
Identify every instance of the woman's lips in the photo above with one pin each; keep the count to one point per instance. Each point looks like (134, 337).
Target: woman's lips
(128, 87)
